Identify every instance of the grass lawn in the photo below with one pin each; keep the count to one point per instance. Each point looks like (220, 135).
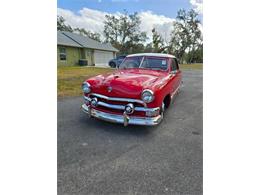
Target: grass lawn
(191, 66)
(70, 78)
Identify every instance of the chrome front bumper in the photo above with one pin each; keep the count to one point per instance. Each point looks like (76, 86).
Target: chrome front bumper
(123, 119)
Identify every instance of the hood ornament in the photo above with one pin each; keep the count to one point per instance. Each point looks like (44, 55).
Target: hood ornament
(109, 89)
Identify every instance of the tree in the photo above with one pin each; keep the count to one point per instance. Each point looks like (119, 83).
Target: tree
(92, 35)
(195, 55)
(148, 48)
(123, 32)
(186, 36)
(158, 42)
(61, 26)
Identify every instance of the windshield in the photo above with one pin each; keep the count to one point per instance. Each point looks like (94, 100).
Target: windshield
(131, 62)
(154, 63)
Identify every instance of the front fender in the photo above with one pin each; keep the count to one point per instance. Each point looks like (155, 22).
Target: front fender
(161, 89)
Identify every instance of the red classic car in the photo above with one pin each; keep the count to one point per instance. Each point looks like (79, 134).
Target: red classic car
(137, 93)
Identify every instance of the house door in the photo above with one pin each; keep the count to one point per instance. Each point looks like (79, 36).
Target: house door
(102, 57)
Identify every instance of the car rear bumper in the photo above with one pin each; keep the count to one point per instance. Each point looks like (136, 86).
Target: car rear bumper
(123, 119)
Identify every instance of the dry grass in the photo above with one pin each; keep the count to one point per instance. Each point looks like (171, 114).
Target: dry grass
(70, 78)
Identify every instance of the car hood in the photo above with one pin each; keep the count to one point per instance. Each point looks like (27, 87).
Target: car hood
(125, 83)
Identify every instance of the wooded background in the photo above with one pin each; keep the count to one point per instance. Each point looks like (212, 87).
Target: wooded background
(124, 33)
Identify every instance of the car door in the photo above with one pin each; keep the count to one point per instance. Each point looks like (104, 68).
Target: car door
(175, 75)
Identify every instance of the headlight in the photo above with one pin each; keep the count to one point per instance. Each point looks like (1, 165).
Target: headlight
(147, 96)
(86, 87)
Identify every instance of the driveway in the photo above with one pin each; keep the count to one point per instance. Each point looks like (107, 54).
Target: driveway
(97, 157)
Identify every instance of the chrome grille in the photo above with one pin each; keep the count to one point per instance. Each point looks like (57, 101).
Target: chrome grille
(116, 99)
(116, 106)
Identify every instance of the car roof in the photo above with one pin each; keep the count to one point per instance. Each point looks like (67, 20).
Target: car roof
(152, 55)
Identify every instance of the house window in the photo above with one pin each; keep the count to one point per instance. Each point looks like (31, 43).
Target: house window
(63, 55)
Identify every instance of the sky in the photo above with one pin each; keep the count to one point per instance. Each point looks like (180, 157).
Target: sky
(90, 14)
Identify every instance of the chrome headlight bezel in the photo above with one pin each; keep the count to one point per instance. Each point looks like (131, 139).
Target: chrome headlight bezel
(86, 87)
(147, 96)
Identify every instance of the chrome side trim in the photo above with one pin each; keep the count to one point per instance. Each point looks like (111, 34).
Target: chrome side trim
(176, 90)
(123, 119)
(119, 99)
(122, 107)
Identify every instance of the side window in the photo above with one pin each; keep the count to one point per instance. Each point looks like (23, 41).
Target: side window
(174, 64)
(177, 63)
(63, 55)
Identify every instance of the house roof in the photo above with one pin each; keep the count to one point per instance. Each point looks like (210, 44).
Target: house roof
(66, 41)
(89, 43)
(152, 54)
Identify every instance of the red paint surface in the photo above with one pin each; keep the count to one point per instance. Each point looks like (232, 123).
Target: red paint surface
(129, 83)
